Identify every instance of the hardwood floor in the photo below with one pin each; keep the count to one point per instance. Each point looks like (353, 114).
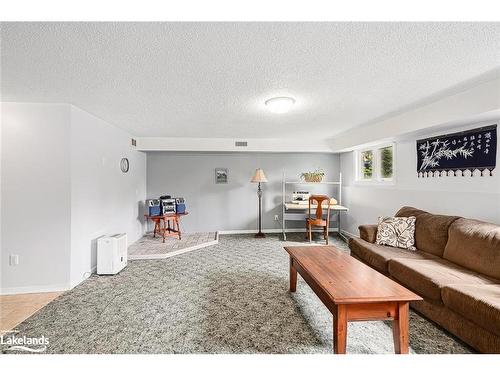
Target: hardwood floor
(16, 308)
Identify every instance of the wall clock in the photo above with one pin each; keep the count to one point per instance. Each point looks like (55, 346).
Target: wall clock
(124, 165)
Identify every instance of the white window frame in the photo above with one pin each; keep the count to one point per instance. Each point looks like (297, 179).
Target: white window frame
(376, 179)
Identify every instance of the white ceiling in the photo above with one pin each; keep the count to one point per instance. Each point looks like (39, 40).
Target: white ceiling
(211, 79)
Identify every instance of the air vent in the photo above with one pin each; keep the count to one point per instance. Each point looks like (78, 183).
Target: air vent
(241, 144)
(134, 142)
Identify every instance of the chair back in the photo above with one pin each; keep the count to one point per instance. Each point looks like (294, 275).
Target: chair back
(319, 199)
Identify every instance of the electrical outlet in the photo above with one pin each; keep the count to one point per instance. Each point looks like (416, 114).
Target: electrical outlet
(13, 259)
(276, 217)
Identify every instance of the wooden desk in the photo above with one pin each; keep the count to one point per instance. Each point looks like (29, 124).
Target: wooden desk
(167, 230)
(352, 291)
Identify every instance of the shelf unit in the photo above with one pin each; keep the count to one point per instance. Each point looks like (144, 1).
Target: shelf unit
(298, 215)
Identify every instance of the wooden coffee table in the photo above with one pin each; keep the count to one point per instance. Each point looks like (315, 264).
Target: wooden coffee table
(352, 291)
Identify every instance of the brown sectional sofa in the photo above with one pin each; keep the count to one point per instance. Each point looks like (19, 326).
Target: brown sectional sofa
(455, 269)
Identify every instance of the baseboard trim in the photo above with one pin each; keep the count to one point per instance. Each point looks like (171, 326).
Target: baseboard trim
(46, 288)
(35, 289)
(87, 274)
(349, 234)
(289, 230)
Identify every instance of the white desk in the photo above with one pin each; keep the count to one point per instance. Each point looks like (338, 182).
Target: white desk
(299, 212)
(294, 211)
(300, 206)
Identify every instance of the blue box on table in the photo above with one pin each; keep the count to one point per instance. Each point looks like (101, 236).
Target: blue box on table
(180, 205)
(154, 207)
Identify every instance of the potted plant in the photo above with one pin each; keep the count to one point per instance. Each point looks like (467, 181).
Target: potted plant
(316, 176)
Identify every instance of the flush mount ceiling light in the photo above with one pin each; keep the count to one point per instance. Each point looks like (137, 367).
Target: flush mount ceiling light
(280, 104)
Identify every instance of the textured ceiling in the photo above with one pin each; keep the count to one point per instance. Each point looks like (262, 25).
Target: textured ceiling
(211, 79)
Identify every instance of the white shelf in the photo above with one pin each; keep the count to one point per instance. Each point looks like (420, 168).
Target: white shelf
(285, 206)
(313, 183)
(305, 207)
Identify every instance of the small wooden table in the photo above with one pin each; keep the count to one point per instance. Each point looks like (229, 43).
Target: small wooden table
(167, 230)
(352, 291)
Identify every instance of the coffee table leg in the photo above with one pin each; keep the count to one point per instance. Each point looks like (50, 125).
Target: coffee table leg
(293, 276)
(340, 330)
(400, 329)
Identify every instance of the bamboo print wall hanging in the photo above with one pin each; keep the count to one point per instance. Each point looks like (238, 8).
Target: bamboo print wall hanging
(453, 154)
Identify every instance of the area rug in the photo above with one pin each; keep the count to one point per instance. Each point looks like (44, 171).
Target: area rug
(153, 247)
(228, 298)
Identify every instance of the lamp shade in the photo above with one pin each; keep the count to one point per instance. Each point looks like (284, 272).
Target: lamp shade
(259, 176)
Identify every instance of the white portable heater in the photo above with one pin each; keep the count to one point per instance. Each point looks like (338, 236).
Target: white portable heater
(111, 254)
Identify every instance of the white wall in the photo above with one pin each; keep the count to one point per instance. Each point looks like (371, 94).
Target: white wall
(62, 188)
(310, 145)
(2, 260)
(103, 199)
(470, 104)
(36, 196)
(474, 197)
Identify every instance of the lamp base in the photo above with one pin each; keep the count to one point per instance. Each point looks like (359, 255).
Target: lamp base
(260, 235)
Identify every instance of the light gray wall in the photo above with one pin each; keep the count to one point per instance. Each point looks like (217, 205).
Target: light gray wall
(231, 206)
(474, 197)
(61, 189)
(103, 199)
(36, 196)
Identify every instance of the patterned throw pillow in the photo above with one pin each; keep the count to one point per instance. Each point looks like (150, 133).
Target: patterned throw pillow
(396, 232)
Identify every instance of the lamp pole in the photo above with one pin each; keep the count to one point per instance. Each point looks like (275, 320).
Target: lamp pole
(259, 177)
(259, 194)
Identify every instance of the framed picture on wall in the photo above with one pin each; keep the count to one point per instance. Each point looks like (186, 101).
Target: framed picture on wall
(221, 175)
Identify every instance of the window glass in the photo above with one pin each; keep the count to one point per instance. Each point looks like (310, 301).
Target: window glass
(376, 165)
(386, 162)
(367, 164)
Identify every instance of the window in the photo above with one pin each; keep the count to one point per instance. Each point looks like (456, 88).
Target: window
(386, 162)
(367, 164)
(375, 164)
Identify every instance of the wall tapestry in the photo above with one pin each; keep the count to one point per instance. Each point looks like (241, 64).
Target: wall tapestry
(458, 152)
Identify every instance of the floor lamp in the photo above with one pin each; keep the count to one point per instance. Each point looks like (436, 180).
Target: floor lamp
(259, 177)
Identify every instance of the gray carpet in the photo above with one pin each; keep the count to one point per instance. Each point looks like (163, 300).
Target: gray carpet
(227, 298)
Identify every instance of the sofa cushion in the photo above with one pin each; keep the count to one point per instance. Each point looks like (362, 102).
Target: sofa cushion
(378, 256)
(396, 232)
(478, 303)
(368, 232)
(427, 277)
(475, 245)
(431, 231)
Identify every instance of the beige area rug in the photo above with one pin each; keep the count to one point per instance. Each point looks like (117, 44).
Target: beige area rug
(149, 247)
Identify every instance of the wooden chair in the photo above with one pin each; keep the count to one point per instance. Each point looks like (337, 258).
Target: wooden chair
(317, 220)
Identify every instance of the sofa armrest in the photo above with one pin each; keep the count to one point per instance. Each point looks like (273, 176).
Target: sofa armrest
(368, 232)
